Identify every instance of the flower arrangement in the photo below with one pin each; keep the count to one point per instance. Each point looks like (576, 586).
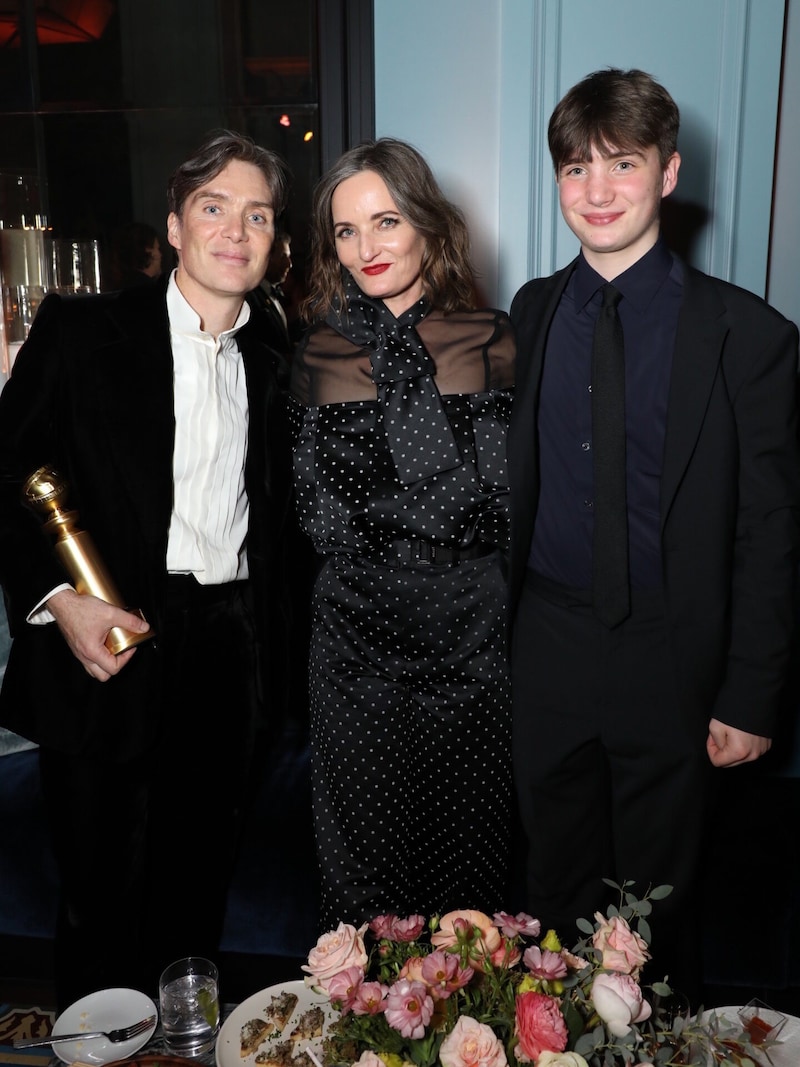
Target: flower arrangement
(467, 990)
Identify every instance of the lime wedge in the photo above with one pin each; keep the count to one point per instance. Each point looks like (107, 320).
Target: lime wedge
(208, 1006)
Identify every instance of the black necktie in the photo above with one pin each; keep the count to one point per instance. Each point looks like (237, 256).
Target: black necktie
(611, 596)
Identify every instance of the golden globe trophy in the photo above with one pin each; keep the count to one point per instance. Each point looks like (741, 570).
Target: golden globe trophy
(46, 491)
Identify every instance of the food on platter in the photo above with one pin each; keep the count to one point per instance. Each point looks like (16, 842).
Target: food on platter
(253, 1033)
(309, 1025)
(280, 1008)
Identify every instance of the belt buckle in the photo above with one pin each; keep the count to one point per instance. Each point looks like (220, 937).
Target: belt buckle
(425, 553)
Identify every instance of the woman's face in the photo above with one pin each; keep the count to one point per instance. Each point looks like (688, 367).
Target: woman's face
(379, 247)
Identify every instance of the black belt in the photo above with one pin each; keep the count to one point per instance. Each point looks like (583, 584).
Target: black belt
(184, 590)
(417, 552)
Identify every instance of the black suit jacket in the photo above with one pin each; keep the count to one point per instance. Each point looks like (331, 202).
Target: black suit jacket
(730, 491)
(92, 394)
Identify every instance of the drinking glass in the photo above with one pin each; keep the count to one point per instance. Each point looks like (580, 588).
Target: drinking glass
(188, 993)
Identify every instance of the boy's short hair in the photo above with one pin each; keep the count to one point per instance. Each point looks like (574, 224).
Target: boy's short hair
(615, 110)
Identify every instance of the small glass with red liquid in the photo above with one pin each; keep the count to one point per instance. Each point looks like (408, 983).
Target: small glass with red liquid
(761, 1022)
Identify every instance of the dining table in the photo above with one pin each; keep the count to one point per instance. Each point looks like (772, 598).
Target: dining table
(785, 1052)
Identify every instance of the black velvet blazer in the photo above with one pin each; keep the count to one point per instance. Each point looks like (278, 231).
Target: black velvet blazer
(92, 394)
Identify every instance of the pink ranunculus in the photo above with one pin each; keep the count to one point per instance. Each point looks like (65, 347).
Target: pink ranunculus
(343, 987)
(443, 974)
(618, 1001)
(393, 929)
(470, 927)
(620, 948)
(409, 1008)
(472, 1044)
(544, 964)
(523, 924)
(369, 999)
(409, 929)
(383, 925)
(539, 1026)
(566, 1059)
(335, 952)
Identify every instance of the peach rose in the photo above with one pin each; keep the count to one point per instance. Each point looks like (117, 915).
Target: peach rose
(618, 1001)
(335, 952)
(412, 969)
(472, 1044)
(458, 927)
(540, 1027)
(620, 948)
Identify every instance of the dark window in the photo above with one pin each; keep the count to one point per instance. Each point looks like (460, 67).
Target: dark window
(101, 99)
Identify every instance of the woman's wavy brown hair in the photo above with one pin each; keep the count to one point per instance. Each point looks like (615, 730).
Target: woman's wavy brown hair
(447, 276)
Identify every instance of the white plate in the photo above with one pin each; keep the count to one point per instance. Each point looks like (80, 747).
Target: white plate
(229, 1038)
(105, 1010)
(786, 1050)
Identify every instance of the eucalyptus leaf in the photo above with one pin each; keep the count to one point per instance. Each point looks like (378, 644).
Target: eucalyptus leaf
(659, 892)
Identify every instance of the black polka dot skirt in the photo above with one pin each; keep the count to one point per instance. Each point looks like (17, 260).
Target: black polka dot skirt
(410, 735)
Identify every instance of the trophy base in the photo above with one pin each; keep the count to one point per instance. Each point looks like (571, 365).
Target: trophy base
(119, 640)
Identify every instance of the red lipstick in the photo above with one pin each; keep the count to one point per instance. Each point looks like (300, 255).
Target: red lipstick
(376, 268)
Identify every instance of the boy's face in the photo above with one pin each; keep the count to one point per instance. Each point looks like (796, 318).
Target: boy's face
(612, 204)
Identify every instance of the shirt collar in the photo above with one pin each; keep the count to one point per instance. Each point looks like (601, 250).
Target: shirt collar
(638, 284)
(183, 319)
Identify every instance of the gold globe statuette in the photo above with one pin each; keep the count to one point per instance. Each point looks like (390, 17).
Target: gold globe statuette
(46, 492)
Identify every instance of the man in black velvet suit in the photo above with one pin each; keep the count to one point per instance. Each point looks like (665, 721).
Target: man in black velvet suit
(618, 721)
(162, 408)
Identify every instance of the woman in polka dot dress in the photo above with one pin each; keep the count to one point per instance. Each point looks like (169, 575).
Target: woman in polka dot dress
(401, 398)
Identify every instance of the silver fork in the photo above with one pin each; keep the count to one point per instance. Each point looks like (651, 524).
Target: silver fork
(123, 1033)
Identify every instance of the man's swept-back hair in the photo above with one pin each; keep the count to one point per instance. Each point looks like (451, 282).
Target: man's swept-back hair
(217, 151)
(617, 110)
(446, 272)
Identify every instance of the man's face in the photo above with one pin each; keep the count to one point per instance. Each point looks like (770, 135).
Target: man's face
(224, 235)
(612, 204)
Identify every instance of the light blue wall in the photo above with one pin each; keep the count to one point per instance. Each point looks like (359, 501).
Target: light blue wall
(784, 268)
(437, 86)
(473, 83)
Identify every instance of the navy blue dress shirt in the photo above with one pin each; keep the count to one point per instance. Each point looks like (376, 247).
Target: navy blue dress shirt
(652, 290)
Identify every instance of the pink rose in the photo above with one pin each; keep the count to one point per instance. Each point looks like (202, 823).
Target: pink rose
(472, 1044)
(539, 1027)
(471, 928)
(620, 948)
(618, 1001)
(409, 1008)
(335, 952)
